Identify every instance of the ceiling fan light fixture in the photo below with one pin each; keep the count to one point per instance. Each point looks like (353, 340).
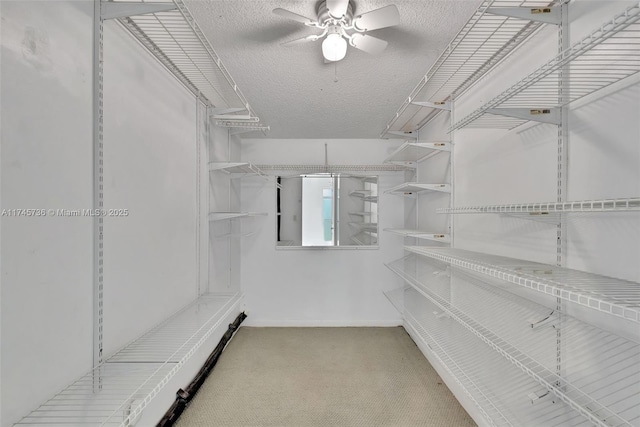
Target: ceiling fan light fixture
(334, 47)
(336, 21)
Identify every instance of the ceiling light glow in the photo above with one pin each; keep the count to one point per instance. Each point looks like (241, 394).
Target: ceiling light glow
(334, 47)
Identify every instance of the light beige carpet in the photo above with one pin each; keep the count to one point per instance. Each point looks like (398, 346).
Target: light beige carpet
(323, 377)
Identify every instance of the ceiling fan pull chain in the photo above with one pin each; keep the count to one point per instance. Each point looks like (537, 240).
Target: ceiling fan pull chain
(335, 72)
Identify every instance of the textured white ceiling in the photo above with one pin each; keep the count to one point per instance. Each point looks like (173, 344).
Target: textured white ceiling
(295, 92)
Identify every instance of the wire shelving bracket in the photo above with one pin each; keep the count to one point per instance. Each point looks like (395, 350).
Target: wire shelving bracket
(545, 15)
(413, 188)
(607, 55)
(237, 169)
(420, 234)
(482, 43)
(411, 153)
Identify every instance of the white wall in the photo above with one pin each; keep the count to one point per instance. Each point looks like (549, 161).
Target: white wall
(435, 170)
(604, 162)
(312, 151)
(219, 201)
(224, 196)
(150, 169)
(154, 166)
(46, 164)
(240, 226)
(500, 167)
(202, 202)
(318, 287)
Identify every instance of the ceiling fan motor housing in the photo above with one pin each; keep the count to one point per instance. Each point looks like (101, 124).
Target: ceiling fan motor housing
(334, 29)
(324, 16)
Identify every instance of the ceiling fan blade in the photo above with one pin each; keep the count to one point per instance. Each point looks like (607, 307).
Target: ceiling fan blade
(337, 8)
(387, 16)
(367, 43)
(310, 38)
(294, 16)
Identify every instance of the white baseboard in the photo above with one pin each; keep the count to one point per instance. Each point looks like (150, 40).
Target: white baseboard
(310, 323)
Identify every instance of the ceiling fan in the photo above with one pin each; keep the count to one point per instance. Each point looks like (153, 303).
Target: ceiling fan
(335, 19)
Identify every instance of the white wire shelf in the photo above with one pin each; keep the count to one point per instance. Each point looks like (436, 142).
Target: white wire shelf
(483, 42)
(607, 55)
(605, 205)
(116, 392)
(411, 153)
(396, 297)
(439, 347)
(365, 195)
(616, 297)
(219, 216)
(585, 385)
(412, 188)
(175, 38)
(365, 226)
(242, 169)
(420, 234)
(358, 241)
(500, 390)
(370, 199)
(599, 363)
(361, 213)
(365, 239)
(360, 193)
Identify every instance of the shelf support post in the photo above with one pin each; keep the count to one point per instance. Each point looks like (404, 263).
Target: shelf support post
(98, 195)
(452, 174)
(563, 134)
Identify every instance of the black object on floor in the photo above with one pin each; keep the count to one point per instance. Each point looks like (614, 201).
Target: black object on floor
(183, 397)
